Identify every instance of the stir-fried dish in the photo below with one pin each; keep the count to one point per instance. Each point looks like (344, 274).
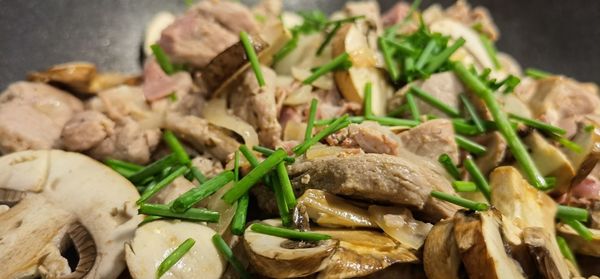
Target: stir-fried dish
(262, 143)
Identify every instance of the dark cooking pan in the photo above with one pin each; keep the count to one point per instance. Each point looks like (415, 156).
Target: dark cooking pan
(557, 36)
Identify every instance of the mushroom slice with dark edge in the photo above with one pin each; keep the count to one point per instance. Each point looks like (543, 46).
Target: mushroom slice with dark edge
(328, 210)
(154, 241)
(278, 257)
(480, 245)
(543, 247)
(578, 244)
(441, 259)
(588, 138)
(81, 201)
(551, 161)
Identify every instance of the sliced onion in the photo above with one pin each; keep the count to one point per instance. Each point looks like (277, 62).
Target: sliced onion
(215, 112)
(324, 82)
(400, 225)
(294, 131)
(299, 96)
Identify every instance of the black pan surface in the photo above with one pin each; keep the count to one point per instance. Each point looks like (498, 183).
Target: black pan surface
(554, 35)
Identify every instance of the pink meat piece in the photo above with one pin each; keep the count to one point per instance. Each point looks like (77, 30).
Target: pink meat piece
(157, 84)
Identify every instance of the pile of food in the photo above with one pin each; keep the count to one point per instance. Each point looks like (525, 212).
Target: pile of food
(262, 143)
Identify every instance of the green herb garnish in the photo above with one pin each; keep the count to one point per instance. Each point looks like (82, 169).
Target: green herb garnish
(176, 147)
(162, 59)
(466, 203)
(464, 186)
(286, 186)
(536, 73)
(449, 166)
(239, 218)
(491, 50)
(196, 194)
(478, 178)
(341, 62)
(368, 99)
(288, 233)
(151, 190)
(268, 151)
(435, 102)
(472, 113)
(174, 257)
(572, 213)
(469, 145)
(192, 214)
(224, 249)
(336, 125)
(251, 54)
(312, 114)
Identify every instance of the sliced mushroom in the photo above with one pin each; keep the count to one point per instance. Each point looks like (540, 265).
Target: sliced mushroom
(399, 224)
(578, 244)
(481, 248)
(589, 140)
(83, 202)
(278, 257)
(544, 249)
(351, 40)
(441, 259)
(496, 151)
(154, 241)
(328, 210)
(551, 161)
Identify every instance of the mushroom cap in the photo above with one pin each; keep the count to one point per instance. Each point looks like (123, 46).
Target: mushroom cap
(440, 253)
(98, 198)
(154, 241)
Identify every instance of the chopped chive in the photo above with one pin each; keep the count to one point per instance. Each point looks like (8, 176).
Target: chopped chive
(536, 73)
(589, 128)
(286, 186)
(568, 144)
(426, 54)
(469, 145)
(503, 124)
(282, 207)
(551, 181)
(288, 233)
(478, 178)
(581, 229)
(188, 3)
(155, 188)
(572, 213)
(390, 63)
(249, 155)
(162, 59)
(342, 61)
(412, 107)
(236, 166)
(391, 121)
(224, 249)
(491, 50)
(122, 171)
(542, 126)
(472, 113)
(328, 38)
(254, 176)
(464, 186)
(460, 201)
(565, 250)
(435, 102)
(438, 60)
(196, 194)
(352, 119)
(149, 219)
(510, 83)
(344, 20)
(176, 147)
(449, 166)
(153, 168)
(268, 151)
(251, 53)
(287, 48)
(399, 46)
(173, 97)
(368, 106)
(239, 218)
(463, 128)
(332, 128)
(192, 214)
(312, 114)
(122, 164)
(197, 174)
(174, 257)
(399, 111)
(409, 66)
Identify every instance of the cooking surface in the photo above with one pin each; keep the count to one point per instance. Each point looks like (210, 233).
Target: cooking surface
(557, 36)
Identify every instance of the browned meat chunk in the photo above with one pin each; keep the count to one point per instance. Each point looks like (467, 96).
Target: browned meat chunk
(478, 17)
(32, 116)
(404, 180)
(396, 14)
(431, 139)
(258, 106)
(563, 102)
(206, 30)
(157, 84)
(369, 136)
(202, 135)
(86, 129)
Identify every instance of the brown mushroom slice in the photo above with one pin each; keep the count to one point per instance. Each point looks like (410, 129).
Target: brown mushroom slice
(589, 140)
(349, 39)
(496, 151)
(481, 247)
(441, 259)
(551, 161)
(544, 249)
(278, 257)
(578, 244)
(399, 224)
(328, 210)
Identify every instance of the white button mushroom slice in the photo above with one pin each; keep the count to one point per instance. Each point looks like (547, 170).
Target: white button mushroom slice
(154, 241)
(24, 171)
(278, 257)
(154, 28)
(400, 225)
(352, 82)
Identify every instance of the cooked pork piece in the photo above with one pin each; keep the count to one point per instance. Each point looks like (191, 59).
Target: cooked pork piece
(157, 84)
(404, 180)
(332, 104)
(478, 16)
(396, 14)
(86, 129)
(201, 135)
(369, 136)
(496, 151)
(207, 165)
(206, 30)
(431, 139)
(563, 102)
(258, 106)
(32, 116)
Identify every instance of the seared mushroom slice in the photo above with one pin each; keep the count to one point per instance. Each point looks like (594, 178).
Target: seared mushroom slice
(399, 223)
(278, 257)
(543, 247)
(441, 259)
(589, 140)
(329, 210)
(551, 161)
(578, 244)
(85, 202)
(480, 246)
(154, 241)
